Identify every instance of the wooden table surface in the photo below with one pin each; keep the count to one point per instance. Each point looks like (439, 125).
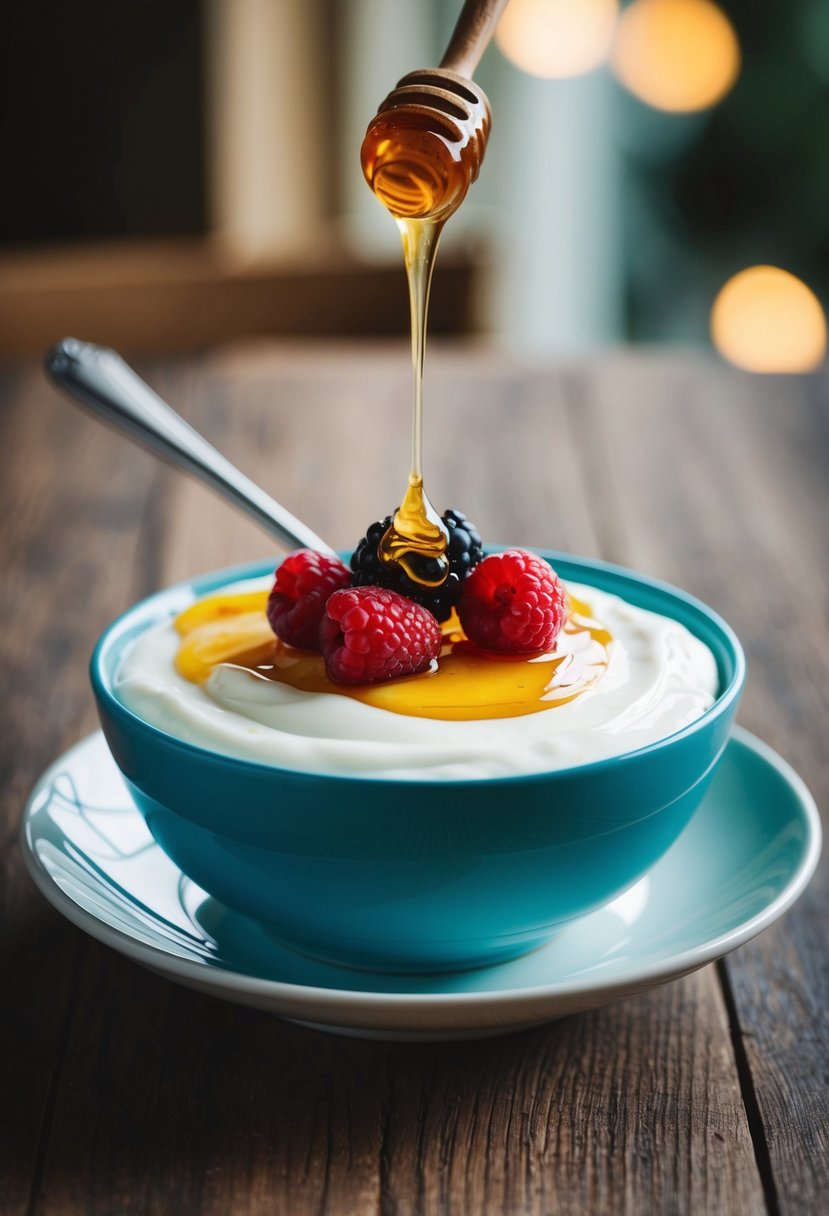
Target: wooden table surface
(123, 1093)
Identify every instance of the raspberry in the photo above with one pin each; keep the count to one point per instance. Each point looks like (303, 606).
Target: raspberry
(464, 551)
(370, 633)
(513, 602)
(303, 583)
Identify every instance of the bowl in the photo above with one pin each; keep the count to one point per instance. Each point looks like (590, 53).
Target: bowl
(417, 875)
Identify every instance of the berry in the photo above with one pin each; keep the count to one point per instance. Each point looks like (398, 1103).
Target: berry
(464, 551)
(370, 633)
(513, 602)
(303, 583)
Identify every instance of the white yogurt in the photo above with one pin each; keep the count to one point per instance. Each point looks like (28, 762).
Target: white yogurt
(659, 679)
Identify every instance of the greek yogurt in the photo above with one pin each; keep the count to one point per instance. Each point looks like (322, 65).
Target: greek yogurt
(659, 678)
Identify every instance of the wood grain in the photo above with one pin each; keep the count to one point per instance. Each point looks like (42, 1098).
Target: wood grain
(70, 544)
(129, 1094)
(739, 514)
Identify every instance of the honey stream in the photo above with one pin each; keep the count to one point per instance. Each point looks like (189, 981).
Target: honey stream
(417, 531)
(420, 164)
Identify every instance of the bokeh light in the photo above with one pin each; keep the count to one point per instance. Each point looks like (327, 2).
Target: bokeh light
(557, 38)
(676, 55)
(766, 320)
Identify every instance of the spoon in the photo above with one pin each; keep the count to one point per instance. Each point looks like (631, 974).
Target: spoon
(447, 96)
(105, 384)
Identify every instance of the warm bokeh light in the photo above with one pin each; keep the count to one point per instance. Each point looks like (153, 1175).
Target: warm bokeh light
(766, 320)
(557, 38)
(677, 55)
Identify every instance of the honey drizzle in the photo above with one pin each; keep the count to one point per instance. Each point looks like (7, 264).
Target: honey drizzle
(467, 683)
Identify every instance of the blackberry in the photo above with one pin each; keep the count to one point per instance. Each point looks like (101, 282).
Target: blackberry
(464, 550)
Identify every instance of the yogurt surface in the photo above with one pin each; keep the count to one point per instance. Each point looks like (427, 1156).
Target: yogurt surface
(659, 679)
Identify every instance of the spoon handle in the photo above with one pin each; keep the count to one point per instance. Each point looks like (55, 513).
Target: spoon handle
(103, 382)
(471, 36)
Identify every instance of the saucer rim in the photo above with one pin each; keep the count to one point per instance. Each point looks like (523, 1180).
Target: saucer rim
(525, 1004)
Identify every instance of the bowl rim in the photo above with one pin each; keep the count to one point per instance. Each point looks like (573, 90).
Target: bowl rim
(211, 581)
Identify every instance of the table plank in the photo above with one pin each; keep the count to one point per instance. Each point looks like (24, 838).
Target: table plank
(753, 544)
(71, 556)
(631, 1108)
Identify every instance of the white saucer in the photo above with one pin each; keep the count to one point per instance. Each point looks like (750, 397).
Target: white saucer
(746, 856)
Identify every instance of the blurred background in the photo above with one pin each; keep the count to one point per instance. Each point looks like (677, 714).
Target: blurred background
(179, 175)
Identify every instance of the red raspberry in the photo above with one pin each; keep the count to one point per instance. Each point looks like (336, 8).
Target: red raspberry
(303, 583)
(371, 633)
(513, 602)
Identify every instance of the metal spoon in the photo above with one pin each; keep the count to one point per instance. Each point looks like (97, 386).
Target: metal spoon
(102, 381)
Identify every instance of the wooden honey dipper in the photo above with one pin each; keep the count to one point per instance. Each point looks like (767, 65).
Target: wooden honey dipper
(424, 147)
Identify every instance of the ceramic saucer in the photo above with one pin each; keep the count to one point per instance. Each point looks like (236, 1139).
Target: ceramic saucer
(746, 856)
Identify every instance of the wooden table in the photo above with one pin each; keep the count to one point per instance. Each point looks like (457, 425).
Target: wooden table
(124, 1093)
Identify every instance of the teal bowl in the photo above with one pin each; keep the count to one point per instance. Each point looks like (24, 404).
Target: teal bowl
(417, 875)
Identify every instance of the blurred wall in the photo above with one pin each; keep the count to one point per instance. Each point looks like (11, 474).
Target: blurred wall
(603, 212)
(102, 122)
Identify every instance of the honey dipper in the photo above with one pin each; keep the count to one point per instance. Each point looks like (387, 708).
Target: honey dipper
(424, 147)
